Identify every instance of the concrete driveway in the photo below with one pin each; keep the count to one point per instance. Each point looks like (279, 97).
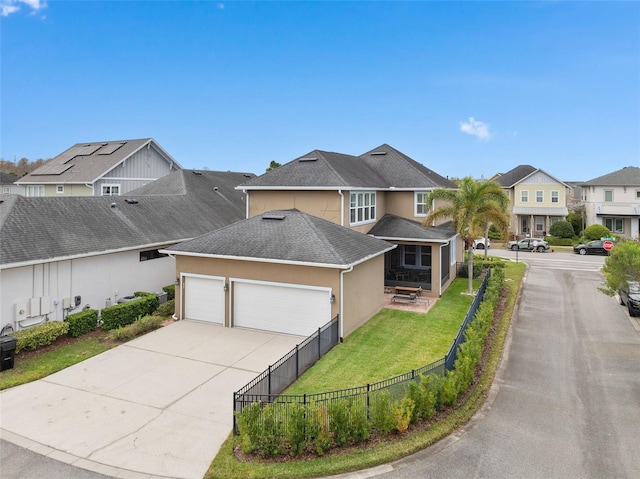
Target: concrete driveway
(158, 406)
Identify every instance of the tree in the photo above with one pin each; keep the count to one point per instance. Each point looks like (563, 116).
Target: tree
(561, 229)
(575, 218)
(273, 165)
(621, 266)
(595, 232)
(473, 207)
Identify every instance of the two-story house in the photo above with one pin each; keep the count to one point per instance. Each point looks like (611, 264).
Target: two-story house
(104, 168)
(323, 236)
(537, 200)
(613, 200)
(8, 184)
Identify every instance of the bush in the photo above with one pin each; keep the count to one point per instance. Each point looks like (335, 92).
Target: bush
(477, 269)
(126, 313)
(595, 232)
(381, 415)
(167, 308)
(562, 229)
(39, 336)
(171, 291)
(559, 241)
(82, 323)
(576, 221)
(402, 411)
(141, 326)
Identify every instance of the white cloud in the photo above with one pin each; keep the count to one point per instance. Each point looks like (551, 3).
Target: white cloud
(475, 128)
(7, 7)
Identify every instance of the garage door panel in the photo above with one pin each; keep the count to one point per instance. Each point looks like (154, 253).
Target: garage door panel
(280, 308)
(204, 299)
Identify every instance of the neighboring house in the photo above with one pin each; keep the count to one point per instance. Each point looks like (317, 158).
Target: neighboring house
(537, 200)
(110, 168)
(58, 255)
(284, 271)
(302, 219)
(613, 200)
(8, 185)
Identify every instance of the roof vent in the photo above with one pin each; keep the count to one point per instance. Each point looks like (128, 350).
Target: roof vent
(378, 153)
(131, 201)
(197, 173)
(247, 175)
(215, 188)
(113, 205)
(273, 216)
(310, 158)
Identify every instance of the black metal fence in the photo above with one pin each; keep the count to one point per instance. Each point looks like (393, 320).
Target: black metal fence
(267, 387)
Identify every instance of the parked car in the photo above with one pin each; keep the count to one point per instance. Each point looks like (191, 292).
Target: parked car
(481, 243)
(630, 295)
(592, 247)
(528, 244)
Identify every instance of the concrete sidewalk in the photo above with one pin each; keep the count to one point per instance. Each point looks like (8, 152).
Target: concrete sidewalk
(158, 406)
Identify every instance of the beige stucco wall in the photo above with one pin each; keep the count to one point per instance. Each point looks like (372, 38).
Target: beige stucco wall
(323, 204)
(364, 286)
(364, 293)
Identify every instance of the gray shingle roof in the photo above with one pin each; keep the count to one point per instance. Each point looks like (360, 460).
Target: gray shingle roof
(44, 228)
(395, 227)
(515, 175)
(87, 162)
(289, 236)
(321, 169)
(7, 179)
(627, 176)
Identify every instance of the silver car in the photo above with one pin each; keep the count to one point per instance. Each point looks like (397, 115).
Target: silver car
(529, 244)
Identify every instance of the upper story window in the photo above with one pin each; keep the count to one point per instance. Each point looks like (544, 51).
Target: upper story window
(362, 208)
(110, 190)
(524, 196)
(555, 196)
(6, 190)
(637, 194)
(539, 196)
(35, 190)
(421, 206)
(59, 188)
(608, 196)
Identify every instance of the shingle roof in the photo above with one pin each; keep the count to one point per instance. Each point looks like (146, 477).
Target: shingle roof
(7, 179)
(515, 175)
(381, 168)
(627, 176)
(44, 228)
(87, 162)
(395, 227)
(288, 236)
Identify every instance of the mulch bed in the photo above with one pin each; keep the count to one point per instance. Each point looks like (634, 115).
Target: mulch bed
(99, 334)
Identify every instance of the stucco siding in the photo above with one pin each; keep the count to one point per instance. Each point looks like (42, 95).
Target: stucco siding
(364, 294)
(323, 204)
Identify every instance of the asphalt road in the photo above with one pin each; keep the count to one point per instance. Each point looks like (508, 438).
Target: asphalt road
(568, 400)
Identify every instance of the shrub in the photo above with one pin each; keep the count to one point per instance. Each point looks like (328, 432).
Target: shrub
(166, 309)
(318, 430)
(450, 388)
(477, 269)
(595, 232)
(296, 429)
(39, 336)
(82, 323)
(171, 291)
(249, 427)
(559, 241)
(141, 326)
(402, 411)
(348, 422)
(381, 415)
(562, 229)
(576, 221)
(126, 313)
(270, 440)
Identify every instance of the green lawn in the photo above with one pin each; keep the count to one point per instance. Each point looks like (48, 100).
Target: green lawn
(53, 361)
(391, 343)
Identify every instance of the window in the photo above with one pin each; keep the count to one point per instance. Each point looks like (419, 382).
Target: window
(608, 196)
(6, 190)
(410, 256)
(416, 256)
(151, 254)
(524, 196)
(362, 208)
(539, 224)
(637, 194)
(110, 190)
(615, 225)
(421, 207)
(539, 196)
(35, 190)
(59, 188)
(555, 197)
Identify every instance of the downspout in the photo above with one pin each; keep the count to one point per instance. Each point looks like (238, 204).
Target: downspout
(342, 273)
(440, 271)
(341, 209)
(178, 285)
(246, 213)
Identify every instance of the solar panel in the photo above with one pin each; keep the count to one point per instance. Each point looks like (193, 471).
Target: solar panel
(52, 169)
(109, 148)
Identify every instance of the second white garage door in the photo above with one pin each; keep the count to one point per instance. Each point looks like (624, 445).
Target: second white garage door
(279, 307)
(204, 298)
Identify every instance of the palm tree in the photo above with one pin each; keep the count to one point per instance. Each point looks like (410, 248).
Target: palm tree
(473, 207)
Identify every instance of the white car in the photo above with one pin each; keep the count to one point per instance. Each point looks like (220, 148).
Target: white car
(480, 243)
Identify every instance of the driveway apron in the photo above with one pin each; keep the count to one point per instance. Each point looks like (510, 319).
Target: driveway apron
(158, 406)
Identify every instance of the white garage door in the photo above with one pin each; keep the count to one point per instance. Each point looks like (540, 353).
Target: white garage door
(279, 307)
(204, 298)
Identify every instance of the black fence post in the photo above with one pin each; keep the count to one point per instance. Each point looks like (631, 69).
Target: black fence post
(319, 348)
(297, 363)
(269, 380)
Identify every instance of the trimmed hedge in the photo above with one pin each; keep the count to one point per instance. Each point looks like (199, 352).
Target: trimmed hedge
(126, 313)
(559, 241)
(82, 323)
(39, 336)
(171, 291)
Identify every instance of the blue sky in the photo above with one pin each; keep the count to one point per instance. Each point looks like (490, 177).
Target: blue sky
(466, 88)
